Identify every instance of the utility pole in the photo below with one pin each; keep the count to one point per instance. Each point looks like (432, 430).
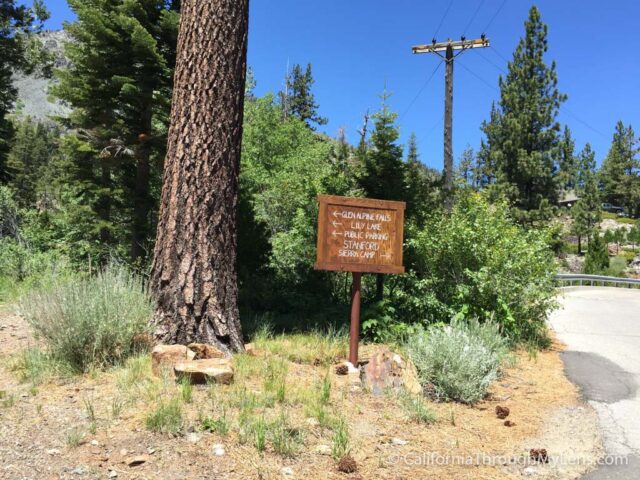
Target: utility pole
(448, 47)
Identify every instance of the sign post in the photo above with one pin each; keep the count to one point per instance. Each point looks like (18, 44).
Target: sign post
(359, 235)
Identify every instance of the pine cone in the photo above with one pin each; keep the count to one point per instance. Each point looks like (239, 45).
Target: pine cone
(509, 423)
(429, 391)
(347, 464)
(539, 455)
(342, 369)
(502, 412)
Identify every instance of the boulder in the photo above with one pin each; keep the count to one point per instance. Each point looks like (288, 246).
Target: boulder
(218, 370)
(388, 370)
(204, 351)
(166, 356)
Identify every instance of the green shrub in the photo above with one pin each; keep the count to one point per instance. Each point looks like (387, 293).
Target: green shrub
(597, 258)
(476, 263)
(617, 266)
(460, 360)
(93, 321)
(167, 417)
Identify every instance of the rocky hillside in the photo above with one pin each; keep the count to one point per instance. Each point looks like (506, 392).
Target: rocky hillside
(33, 97)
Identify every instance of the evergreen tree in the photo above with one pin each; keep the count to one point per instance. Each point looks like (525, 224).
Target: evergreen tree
(297, 98)
(465, 171)
(587, 211)
(597, 258)
(620, 172)
(17, 24)
(29, 160)
(567, 168)
(421, 186)
(119, 86)
(383, 174)
(522, 145)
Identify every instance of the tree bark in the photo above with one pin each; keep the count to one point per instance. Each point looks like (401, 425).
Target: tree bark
(194, 275)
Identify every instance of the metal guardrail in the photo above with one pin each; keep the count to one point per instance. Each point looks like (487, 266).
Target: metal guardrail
(580, 280)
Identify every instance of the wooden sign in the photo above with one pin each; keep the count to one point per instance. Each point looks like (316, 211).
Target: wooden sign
(360, 235)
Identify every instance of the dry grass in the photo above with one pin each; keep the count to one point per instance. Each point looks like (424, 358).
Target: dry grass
(281, 407)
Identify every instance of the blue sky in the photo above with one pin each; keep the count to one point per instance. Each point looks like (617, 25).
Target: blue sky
(356, 46)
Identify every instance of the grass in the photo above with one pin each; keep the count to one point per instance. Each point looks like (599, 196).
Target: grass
(614, 216)
(218, 425)
(166, 417)
(340, 439)
(74, 437)
(285, 439)
(416, 409)
(37, 366)
(317, 347)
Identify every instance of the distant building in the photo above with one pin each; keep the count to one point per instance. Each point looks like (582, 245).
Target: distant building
(568, 199)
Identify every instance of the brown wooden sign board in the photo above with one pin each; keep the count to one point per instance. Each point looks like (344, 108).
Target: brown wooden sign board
(360, 235)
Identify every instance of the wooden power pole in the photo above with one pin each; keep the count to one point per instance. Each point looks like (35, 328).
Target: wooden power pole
(448, 47)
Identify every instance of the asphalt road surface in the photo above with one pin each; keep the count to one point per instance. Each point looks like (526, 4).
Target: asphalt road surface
(601, 327)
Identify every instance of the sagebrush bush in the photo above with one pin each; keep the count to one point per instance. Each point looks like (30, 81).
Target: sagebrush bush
(90, 321)
(460, 360)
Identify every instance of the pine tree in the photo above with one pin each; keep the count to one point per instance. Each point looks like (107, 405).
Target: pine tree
(119, 87)
(597, 258)
(421, 185)
(17, 25)
(465, 170)
(620, 172)
(194, 271)
(297, 98)
(522, 145)
(383, 174)
(567, 168)
(587, 211)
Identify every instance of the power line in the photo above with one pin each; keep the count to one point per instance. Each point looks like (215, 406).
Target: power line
(479, 77)
(492, 63)
(575, 117)
(495, 15)
(443, 17)
(475, 14)
(424, 85)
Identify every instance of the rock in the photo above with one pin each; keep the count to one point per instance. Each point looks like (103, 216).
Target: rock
(529, 471)
(323, 450)
(113, 474)
(53, 451)
(502, 412)
(95, 443)
(193, 437)
(217, 370)
(78, 471)
(137, 460)
(388, 370)
(166, 356)
(123, 452)
(204, 351)
(151, 450)
(347, 464)
(398, 442)
(218, 450)
(287, 471)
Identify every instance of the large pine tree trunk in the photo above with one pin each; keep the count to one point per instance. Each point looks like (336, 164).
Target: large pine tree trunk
(194, 272)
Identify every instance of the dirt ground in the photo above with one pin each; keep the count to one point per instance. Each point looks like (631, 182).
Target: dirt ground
(466, 442)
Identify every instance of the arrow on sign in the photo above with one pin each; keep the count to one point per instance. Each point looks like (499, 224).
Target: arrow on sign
(334, 233)
(337, 214)
(386, 255)
(335, 224)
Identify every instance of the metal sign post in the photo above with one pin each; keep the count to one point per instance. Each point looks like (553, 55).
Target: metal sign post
(359, 235)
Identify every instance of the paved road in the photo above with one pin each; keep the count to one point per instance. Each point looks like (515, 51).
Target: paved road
(601, 327)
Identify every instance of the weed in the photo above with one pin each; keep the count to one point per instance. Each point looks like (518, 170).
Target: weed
(36, 366)
(90, 410)
(340, 439)
(7, 401)
(186, 390)
(167, 417)
(275, 377)
(325, 389)
(416, 409)
(322, 347)
(74, 437)
(117, 405)
(260, 434)
(285, 438)
(218, 425)
(33, 391)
